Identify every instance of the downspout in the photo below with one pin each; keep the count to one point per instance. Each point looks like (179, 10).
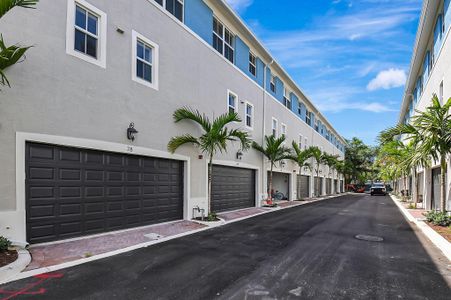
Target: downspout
(264, 123)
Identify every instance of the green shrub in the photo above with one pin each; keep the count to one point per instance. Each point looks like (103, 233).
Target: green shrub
(438, 218)
(212, 217)
(4, 244)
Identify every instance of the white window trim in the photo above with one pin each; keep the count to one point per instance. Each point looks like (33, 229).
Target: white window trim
(272, 127)
(273, 82)
(300, 142)
(229, 92)
(70, 32)
(252, 115)
(283, 126)
(155, 59)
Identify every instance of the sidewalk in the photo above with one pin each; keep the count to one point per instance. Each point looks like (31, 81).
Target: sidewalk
(416, 216)
(54, 256)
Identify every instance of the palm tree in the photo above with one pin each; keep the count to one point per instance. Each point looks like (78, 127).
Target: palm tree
(430, 134)
(317, 155)
(12, 54)
(301, 157)
(275, 151)
(214, 138)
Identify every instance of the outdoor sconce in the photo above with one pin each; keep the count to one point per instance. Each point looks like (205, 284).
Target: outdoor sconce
(282, 164)
(306, 169)
(321, 171)
(239, 155)
(131, 131)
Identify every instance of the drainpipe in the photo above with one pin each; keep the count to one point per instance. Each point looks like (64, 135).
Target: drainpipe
(264, 122)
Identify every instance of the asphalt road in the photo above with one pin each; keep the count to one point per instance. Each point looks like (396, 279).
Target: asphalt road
(306, 252)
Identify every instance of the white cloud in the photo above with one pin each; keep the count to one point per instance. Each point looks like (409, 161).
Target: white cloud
(240, 5)
(388, 79)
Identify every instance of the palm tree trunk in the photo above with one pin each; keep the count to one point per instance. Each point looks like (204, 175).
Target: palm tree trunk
(270, 184)
(210, 171)
(443, 183)
(416, 187)
(318, 183)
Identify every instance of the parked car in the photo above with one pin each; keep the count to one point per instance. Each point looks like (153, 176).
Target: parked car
(378, 189)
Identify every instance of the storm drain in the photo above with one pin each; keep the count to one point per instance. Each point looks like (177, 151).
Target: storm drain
(369, 238)
(153, 236)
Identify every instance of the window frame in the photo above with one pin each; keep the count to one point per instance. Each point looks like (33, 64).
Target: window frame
(308, 117)
(272, 84)
(136, 36)
(100, 60)
(286, 99)
(164, 5)
(235, 109)
(440, 92)
(223, 39)
(283, 129)
(274, 127)
(246, 115)
(301, 138)
(252, 64)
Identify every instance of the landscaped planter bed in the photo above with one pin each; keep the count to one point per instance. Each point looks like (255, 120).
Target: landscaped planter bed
(443, 231)
(7, 257)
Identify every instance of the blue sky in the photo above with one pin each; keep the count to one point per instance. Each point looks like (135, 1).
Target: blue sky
(351, 57)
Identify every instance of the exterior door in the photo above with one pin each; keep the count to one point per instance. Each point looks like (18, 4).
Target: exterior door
(232, 188)
(435, 203)
(303, 186)
(73, 192)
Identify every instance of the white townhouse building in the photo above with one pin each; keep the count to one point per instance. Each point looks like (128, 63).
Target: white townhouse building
(100, 67)
(430, 73)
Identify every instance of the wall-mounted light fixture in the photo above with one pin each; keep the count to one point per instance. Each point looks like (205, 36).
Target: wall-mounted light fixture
(239, 155)
(282, 164)
(131, 131)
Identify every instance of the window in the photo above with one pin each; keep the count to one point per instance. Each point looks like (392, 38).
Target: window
(300, 141)
(223, 40)
(283, 129)
(305, 143)
(249, 113)
(274, 127)
(232, 102)
(175, 7)
(317, 126)
(86, 32)
(299, 108)
(308, 117)
(286, 99)
(144, 60)
(440, 93)
(272, 84)
(252, 64)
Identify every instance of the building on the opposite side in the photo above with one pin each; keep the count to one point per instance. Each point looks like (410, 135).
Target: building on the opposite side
(430, 73)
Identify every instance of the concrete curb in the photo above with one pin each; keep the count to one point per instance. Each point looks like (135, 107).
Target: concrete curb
(9, 272)
(439, 241)
(147, 244)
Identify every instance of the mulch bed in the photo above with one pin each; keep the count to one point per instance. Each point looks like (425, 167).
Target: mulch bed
(443, 231)
(7, 257)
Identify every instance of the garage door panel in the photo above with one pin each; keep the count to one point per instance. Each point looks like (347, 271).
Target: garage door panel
(232, 188)
(72, 192)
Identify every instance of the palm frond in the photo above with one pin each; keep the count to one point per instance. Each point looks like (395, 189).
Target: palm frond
(186, 113)
(178, 141)
(7, 5)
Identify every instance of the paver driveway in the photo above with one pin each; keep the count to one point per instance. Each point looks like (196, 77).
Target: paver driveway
(306, 252)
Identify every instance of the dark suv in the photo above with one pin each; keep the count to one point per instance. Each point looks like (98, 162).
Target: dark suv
(378, 189)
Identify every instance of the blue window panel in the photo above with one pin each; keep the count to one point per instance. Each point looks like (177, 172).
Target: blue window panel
(302, 111)
(92, 24)
(268, 80)
(242, 56)
(80, 41)
(80, 17)
(260, 72)
(294, 103)
(438, 36)
(279, 89)
(199, 18)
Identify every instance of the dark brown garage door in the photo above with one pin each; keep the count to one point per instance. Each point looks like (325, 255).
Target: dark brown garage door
(232, 188)
(73, 192)
(303, 186)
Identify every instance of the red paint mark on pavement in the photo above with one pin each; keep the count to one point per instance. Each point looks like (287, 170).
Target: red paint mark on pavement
(27, 290)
